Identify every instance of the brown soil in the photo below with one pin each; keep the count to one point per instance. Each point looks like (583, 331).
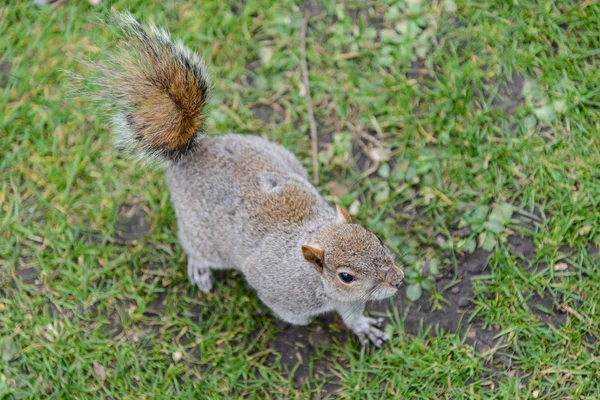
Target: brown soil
(133, 224)
(4, 73)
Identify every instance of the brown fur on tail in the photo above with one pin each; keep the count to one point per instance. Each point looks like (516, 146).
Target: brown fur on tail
(157, 90)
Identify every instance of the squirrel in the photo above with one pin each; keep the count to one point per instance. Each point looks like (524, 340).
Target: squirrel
(241, 202)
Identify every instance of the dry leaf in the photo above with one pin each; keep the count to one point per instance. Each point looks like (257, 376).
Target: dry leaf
(177, 356)
(99, 371)
(302, 91)
(354, 208)
(337, 189)
(380, 154)
(584, 230)
(561, 266)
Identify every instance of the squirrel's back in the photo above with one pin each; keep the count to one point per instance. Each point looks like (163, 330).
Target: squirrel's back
(250, 181)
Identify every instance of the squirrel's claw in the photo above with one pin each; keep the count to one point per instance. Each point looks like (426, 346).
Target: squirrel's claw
(200, 276)
(363, 339)
(379, 322)
(369, 328)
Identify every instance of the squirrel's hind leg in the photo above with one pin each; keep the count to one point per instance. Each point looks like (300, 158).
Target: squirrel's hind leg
(200, 274)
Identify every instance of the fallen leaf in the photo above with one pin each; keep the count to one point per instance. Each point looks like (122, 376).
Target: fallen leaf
(584, 230)
(177, 356)
(302, 89)
(380, 154)
(354, 208)
(265, 54)
(99, 371)
(561, 266)
(337, 189)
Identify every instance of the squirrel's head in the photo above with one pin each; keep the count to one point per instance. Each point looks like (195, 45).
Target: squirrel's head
(353, 263)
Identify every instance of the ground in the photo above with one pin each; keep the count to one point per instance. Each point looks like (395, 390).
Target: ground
(463, 133)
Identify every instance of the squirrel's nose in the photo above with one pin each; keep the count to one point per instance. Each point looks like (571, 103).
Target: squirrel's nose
(395, 276)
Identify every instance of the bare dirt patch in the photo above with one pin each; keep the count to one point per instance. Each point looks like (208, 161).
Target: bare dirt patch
(421, 72)
(5, 68)
(133, 224)
(28, 275)
(521, 246)
(546, 309)
(269, 114)
(263, 112)
(457, 287)
(510, 94)
(593, 250)
(296, 345)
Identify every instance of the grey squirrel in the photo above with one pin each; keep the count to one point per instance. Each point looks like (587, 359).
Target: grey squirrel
(241, 202)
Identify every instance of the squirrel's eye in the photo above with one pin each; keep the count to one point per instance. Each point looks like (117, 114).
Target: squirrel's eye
(346, 277)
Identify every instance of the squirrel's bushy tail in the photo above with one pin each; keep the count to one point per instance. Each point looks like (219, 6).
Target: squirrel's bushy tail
(156, 90)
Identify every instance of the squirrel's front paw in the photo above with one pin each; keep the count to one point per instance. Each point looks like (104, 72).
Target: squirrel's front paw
(366, 327)
(200, 275)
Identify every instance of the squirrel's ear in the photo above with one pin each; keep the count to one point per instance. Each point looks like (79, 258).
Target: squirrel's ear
(314, 255)
(343, 216)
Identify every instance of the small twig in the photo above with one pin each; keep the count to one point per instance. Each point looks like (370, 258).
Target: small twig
(376, 126)
(427, 135)
(527, 214)
(57, 4)
(359, 133)
(571, 311)
(367, 152)
(311, 117)
(347, 56)
(376, 164)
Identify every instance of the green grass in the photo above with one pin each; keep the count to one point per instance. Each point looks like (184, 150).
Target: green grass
(84, 317)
